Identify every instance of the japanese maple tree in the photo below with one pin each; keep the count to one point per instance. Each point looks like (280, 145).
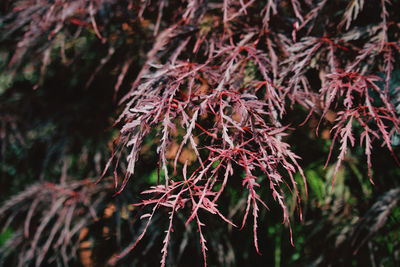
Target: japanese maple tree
(215, 88)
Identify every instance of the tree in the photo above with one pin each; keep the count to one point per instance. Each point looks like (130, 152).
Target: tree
(216, 95)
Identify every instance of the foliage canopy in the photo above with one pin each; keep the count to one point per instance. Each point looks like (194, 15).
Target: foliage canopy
(234, 102)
